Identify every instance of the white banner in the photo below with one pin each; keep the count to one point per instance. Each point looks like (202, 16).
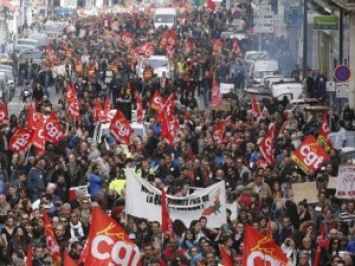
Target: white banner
(144, 200)
(346, 182)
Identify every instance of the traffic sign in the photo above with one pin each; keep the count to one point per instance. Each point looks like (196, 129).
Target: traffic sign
(342, 90)
(342, 73)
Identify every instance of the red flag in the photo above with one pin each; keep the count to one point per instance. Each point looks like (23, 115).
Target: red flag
(157, 101)
(97, 108)
(323, 135)
(266, 146)
(172, 40)
(164, 39)
(121, 128)
(39, 138)
(217, 47)
(235, 46)
(53, 129)
(51, 240)
(73, 109)
(108, 243)
(269, 229)
(68, 261)
(166, 223)
(189, 46)
(139, 108)
(227, 261)
(20, 140)
(218, 132)
(29, 255)
(319, 248)
(260, 250)
(167, 129)
(216, 97)
(31, 123)
(127, 38)
(3, 112)
(9, 5)
(255, 107)
(211, 5)
(70, 92)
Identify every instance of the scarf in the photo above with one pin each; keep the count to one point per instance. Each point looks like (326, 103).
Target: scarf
(76, 230)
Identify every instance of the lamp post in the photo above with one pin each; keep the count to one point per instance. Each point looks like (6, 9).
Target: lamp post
(305, 23)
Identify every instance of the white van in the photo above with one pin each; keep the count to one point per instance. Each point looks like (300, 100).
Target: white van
(261, 69)
(164, 17)
(31, 42)
(291, 90)
(159, 63)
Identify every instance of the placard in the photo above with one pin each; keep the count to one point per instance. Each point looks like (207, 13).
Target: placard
(332, 183)
(72, 191)
(345, 188)
(225, 88)
(306, 190)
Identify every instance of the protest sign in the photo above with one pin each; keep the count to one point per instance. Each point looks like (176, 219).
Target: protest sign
(345, 188)
(72, 191)
(144, 201)
(306, 190)
(225, 88)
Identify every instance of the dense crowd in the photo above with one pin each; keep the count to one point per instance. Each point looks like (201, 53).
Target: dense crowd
(99, 65)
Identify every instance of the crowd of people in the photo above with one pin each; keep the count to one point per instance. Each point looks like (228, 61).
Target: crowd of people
(98, 64)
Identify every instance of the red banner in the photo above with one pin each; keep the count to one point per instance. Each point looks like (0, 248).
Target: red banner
(53, 129)
(108, 243)
(68, 261)
(32, 120)
(216, 97)
(74, 109)
(266, 146)
(259, 250)
(147, 49)
(121, 128)
(20, 140)
(51, 240)
(172, 40)
(310, 155)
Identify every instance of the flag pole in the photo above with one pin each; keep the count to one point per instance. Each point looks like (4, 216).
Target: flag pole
(28, 153)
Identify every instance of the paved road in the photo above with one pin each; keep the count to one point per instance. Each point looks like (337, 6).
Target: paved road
(15, 106)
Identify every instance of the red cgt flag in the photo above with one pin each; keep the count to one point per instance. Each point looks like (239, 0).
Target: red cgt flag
(227, 261)
(32, 119)
(216, 97)
(255, 107)
(323, 135)
(166, 223)
(20, 140)
(74, 109)
(235, 46)
(51, 240)
(211, 5)
(157, 101)
(259, 250)
(70, 92)
(39, 138)
(121, 128)
(217, 47)
(108, 243)
(310, 155)
(139, 108)
(68, 261)
(167, 128)
(53, 129)
(319, 248)
(266, 146)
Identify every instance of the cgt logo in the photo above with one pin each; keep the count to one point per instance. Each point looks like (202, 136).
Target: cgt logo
(310, 158)
(121, 253)
(21, 142)
(259, 256)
